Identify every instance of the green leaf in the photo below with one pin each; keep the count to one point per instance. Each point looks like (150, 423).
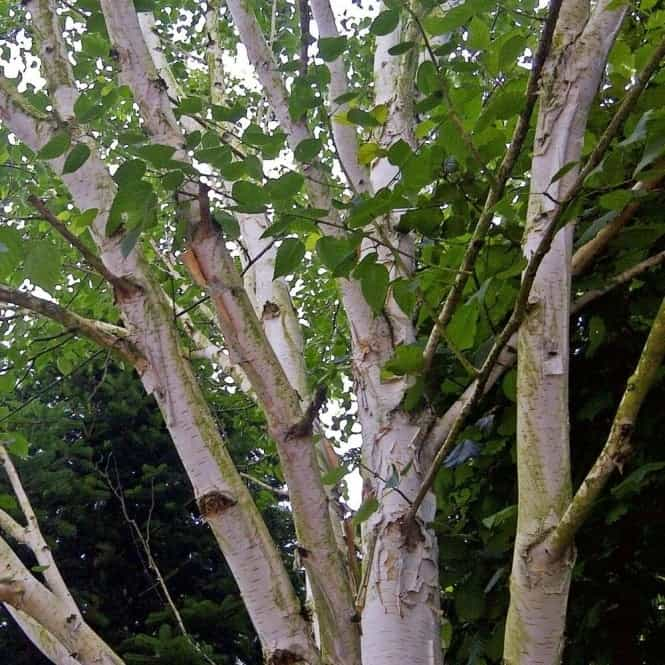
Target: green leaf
(339, 255)
(76, 158)
(333, 476)
(228, 223)
(345, 98)
(39, 569)
(500, 517)
(129, 173)
(368, 152)
(479, 35)
(509, 385)
(635, 481)
(615, 200)
(401, 48)
(158, 155)
(330, 48)
(307, 150)
(510, 50)
(64, 364)
(135, 203)
(191, 105)
(173, 180)
(248, 193)
(13, 250)
(566, 168)
(130, 239)
(363, 118)
(462, 329)
(653, 150)
(131, 138)
(374, 281)
(57, 146)
(366, 510)
(404, 293)
(408, 359)
(385, 22)
(94, 45)
(286, 186)
(427, 78)
(399, 153)
(18, 445)
(43, 264)
(289, 256)
(454, 18)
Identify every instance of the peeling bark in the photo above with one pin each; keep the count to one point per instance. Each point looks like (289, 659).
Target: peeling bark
(539, 583)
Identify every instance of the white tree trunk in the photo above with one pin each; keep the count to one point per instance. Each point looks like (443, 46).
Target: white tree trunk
(21, 590)
(223, 497)
(540, 583)
(401, 604)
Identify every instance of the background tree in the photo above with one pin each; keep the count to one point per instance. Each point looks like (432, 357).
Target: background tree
(98, 443)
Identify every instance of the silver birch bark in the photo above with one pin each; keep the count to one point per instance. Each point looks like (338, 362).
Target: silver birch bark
(540, 583)
(249, 347)
(23, 592)
(401, 606)
(166, 374)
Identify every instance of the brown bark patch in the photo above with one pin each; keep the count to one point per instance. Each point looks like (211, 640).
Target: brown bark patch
(284, 657)
(411, 532)
(214, 503)
(270, 310)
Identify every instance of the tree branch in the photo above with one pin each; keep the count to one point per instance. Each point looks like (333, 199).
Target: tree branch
(529, 275)
(211, 262)
(105, 334)
(619, 445)
(90, 257)
(345, 137)
(496, 190)
(618, 280)
(439, 431)
(20, 589)
(35, 538)
(586, 254)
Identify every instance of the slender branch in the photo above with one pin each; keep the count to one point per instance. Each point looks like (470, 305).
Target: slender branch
(144, 540)
(441, 427)
(37, 542)
(345, 138)
(585, 255)
(496, 190)
(280, 493)
(619, 445)
(91, 258)
(520, 309)
(105, 334)
(618, 280)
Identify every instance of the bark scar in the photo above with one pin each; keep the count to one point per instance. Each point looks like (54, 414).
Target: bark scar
(215, 503)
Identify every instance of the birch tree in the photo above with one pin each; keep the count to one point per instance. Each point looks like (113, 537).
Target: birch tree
(375, 218)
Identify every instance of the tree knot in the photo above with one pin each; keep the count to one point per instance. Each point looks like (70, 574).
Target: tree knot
(215, 502)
